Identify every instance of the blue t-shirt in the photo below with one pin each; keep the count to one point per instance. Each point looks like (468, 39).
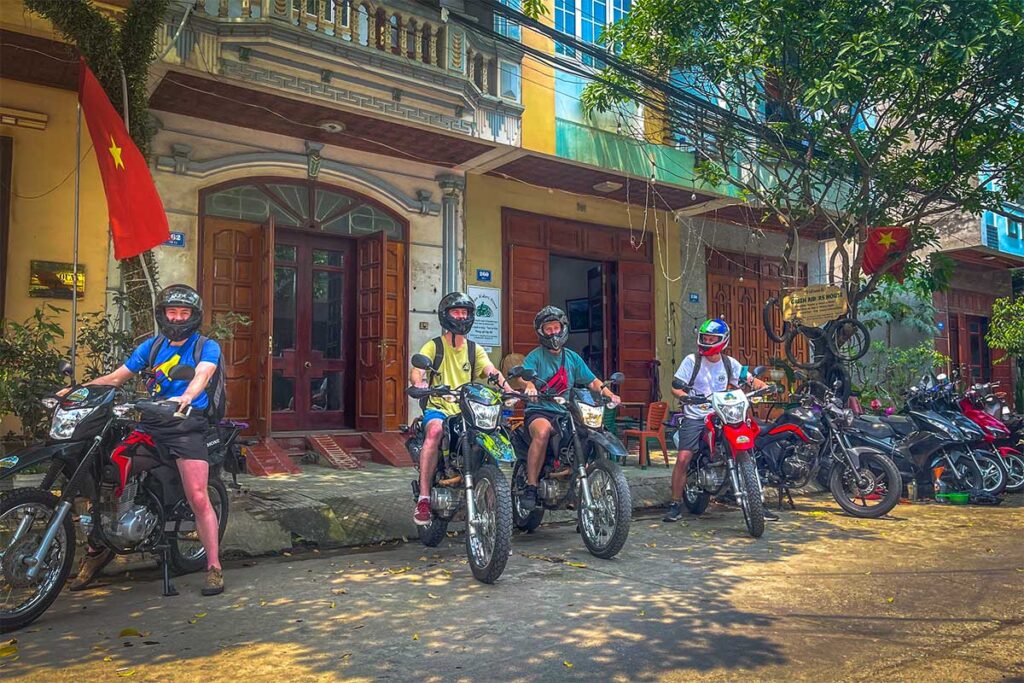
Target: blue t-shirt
(166, 358)
(546, 365)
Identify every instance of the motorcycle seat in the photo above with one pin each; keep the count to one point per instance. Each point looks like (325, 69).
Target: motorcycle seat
(873, 425)
(900, 424)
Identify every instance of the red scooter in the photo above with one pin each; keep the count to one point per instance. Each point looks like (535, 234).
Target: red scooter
(997, 435)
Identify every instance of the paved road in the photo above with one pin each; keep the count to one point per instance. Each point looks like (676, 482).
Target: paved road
(933, 593)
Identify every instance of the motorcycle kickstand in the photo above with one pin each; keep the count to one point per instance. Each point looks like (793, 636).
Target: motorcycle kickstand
(781, 490)
(169, 589)
(792, 504)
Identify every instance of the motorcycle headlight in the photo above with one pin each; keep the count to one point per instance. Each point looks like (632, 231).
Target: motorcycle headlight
(733, 414)
(65, 421)
(593, 416)
(485, 416)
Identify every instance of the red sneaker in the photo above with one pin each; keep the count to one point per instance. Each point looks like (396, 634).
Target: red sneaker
(422, 514)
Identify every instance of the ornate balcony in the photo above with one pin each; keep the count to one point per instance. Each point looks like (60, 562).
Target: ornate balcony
(397, 60)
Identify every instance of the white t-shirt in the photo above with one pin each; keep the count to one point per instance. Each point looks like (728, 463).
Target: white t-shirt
(711, 378)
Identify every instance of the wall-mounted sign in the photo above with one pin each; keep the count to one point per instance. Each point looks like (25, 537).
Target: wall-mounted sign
(483, 275)
(487, 326)
(177, 240)
(694, 298)
(815, 305)
(52, 280)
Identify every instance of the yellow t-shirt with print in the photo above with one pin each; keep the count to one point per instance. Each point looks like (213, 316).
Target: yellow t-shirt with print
(454, 370)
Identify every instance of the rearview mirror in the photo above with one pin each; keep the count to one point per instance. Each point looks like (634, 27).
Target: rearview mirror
(421, 362)
(182, 373)
(65, 368)
(758, 371)
(617, 378)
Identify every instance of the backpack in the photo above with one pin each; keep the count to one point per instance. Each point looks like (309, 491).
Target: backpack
(215, 394)
(439, 356)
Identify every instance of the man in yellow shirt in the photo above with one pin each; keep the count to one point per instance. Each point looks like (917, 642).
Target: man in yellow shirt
(454, 367)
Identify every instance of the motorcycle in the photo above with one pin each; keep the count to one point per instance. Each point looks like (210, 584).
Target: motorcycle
(939, 395)
(997, 435)
(726, 456)
(467, 474)
(926, 448)
(133, 497)
(815, 434)
(578, 470)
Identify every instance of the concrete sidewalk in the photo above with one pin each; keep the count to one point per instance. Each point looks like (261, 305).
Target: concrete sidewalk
(330, 508)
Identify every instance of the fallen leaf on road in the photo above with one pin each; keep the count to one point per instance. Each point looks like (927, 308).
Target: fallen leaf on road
(399, 570)
(651, 545)
(192, 621)
(567, 664)
(1020, 569)
(643, 613)
(126, 588)
(108, 659)
(415, 636)
(818, 513)
(333, 604)
(890, 600)
(435, 597)
(262, 603)
(200, 615)
(578, 565)
(340, 591)
(125, 673)
(8, 650)
(446, 572)
(286, 554)
(129, 633)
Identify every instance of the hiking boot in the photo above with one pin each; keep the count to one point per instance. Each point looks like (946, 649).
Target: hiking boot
(214, 582)
(770, 516)
(422, 515)
(528, 500)
(674, 514)
(92, 564)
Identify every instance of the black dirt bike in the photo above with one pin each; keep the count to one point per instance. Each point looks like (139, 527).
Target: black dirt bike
(133, 498)
(467, 474)
(578, 470)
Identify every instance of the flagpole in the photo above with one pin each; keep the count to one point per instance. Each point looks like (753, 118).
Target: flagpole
(74, 257)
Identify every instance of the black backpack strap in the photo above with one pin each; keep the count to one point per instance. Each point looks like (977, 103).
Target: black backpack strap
(154, 350)
(197, 350)
(438, 357)
(697, 361)
(472, 359)
(728, 371)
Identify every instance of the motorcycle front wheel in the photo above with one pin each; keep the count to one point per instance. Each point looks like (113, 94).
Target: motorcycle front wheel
(870, 492)
(605, 525)
(1015, 473)
(751, 502)
(489, 536)
(23, 600)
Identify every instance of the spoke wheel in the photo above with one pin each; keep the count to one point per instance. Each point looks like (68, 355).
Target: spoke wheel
(489, 532)
(187, 551)
(23, 600)
(605, 525)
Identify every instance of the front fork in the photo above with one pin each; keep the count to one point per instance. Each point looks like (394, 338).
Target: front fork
(581, 472)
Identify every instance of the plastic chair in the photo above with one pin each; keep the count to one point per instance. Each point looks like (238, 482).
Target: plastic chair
(654, 429)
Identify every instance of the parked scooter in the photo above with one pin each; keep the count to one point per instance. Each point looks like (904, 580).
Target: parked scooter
(997, 437)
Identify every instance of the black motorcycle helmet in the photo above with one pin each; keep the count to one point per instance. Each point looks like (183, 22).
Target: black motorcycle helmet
(452, 301)
(551, 314)
(178, 296)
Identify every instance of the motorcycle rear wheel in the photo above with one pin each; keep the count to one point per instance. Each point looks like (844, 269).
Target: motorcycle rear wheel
(993, 473)
(60, 559)
(751, 503)
(604, 529)
(524, 520)
(884, 474)
(489, 545)
(695, 498)
(188, 554)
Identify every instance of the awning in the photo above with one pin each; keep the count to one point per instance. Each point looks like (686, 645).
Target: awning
(981, 255)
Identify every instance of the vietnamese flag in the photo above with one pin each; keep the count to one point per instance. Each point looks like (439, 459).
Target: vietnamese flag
(881, 245)
(137, 219)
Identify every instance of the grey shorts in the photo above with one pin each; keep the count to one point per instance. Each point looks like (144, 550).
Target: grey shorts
(689, 434)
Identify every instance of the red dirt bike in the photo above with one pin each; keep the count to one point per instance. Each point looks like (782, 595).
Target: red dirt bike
(726, 455)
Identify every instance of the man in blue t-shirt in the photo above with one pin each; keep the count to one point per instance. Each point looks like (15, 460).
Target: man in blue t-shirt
(557, 370)
(179, 313)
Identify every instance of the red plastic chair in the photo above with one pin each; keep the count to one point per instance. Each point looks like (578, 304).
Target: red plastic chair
(654, 429)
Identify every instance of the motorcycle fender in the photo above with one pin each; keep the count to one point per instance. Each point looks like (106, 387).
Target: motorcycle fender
(608, 443)
(497, 445)
(1007, 451)
(856, 452)
(25, 458)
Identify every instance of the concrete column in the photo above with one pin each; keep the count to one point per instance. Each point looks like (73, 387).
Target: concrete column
(452, 187)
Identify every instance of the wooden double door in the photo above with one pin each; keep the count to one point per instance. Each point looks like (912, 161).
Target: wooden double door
(326, 345)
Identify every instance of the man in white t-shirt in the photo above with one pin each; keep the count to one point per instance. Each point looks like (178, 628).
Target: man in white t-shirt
(703, 374)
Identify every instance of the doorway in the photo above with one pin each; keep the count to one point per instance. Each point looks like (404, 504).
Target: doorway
(313, 378)
(580, 287)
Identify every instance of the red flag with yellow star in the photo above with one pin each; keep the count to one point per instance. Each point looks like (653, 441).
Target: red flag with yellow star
(137, 219)
(882, 244)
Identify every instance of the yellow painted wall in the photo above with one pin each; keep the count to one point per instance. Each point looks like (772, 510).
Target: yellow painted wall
(42, 201)
(539, 91)
(485, 197)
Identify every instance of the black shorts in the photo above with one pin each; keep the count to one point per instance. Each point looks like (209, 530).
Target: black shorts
(549, 415)
(689, 433)
(180, 438)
